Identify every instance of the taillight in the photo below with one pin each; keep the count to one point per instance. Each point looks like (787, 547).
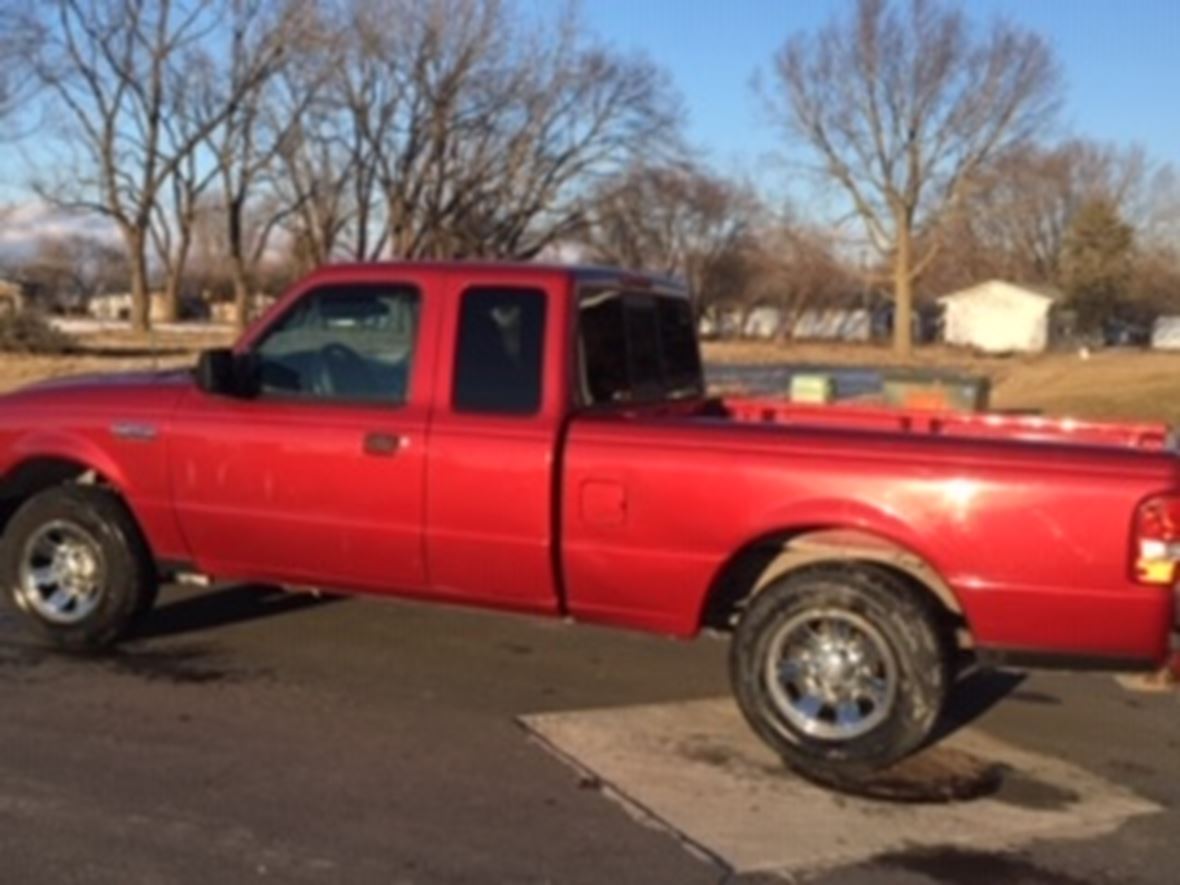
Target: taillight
(1157, 540)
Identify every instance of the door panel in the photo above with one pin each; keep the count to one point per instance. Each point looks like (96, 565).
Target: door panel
(321, 478)
(490, 513)
(288, 492)
(492, 444)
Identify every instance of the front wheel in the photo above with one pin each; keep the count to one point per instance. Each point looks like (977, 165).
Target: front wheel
(842, 669)
(74, 562)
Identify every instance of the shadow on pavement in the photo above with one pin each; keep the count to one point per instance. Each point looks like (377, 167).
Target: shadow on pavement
(223, 607)
(972, 696)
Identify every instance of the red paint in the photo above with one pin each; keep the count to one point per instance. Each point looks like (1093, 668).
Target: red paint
(619, 515)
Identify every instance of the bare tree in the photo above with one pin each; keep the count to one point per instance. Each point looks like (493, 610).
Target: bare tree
(258, 125)
(65, 272)
(903, 104)
(17, 82)
(116, 68)
(110, 64)
(676, 219)
(471, 134)
(315, 171)
(796, 267)
(1025, 204)
(176, 207)
(1013, 222)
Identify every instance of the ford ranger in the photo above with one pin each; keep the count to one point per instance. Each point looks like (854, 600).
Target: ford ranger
(540, 439)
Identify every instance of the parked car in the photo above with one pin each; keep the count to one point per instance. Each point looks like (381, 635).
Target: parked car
(539, 439)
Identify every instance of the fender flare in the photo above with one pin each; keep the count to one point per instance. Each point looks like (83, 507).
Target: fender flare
(55, 445)
(818, 531)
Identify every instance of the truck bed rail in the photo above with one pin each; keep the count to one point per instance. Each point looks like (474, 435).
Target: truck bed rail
(972, 425)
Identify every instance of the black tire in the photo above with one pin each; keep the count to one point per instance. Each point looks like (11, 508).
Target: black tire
(904, 619)
(126, 582)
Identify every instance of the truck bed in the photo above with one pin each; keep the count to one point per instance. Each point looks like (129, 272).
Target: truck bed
(969, 425)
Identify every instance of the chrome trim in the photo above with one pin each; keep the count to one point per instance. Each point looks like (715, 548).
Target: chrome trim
(134, 430)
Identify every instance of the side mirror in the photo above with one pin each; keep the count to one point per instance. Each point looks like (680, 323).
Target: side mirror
(221, 372)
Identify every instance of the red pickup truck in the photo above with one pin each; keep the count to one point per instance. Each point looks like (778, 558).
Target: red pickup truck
(539, 439)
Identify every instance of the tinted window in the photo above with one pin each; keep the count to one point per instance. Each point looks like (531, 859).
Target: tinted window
(498, 358)
(637, 347)
(607, 377)
(680, 353)
(643, 348)
(351, 343)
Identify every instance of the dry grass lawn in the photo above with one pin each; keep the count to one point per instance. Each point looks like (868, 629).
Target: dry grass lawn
(1127, 384)
(109, 352)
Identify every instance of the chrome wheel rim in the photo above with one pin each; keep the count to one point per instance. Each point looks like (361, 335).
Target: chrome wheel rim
(62, 572)
(831, 675)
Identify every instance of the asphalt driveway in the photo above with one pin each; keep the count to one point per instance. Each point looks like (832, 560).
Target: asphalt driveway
(251, 735)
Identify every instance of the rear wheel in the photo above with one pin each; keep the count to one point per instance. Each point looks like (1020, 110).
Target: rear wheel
(841, 668)
(73, 561)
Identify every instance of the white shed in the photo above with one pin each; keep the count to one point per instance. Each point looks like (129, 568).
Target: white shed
(1165, 333)
(998, 317)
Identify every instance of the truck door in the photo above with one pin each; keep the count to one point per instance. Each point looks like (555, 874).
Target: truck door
(492, 443)
(320, 478)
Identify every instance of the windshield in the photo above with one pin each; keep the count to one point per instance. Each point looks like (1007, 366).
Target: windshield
(637, 347)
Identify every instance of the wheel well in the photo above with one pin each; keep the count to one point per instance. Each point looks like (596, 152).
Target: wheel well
(36, 475)
(771, 557)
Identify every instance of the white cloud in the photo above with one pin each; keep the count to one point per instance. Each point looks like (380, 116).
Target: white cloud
(22, 224)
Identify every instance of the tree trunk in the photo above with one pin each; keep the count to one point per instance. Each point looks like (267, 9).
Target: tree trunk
(903, 294)
(171, 297)
(140, 295)
(176, 276)
(241, 294)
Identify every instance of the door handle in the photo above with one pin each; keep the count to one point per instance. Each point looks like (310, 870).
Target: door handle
(382, 445)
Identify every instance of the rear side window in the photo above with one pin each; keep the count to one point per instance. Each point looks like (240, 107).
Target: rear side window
(678, 347)
(637, 347)
(499, 352)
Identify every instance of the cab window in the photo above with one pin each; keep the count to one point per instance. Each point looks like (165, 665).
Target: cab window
(344, 343)
(499, 352)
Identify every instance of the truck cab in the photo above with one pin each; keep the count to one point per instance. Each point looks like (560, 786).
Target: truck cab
(397, 427)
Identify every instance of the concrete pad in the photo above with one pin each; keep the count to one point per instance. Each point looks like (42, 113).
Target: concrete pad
(697, 769)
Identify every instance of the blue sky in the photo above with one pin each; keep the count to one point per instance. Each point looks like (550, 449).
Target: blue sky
(1121, 61)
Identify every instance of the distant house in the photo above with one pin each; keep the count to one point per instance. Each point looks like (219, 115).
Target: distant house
(226, 312)
(858, 320)
(115, 307)
(725, 323)
(834, 324)
(1165, 333)
(999, 317)
(763, 322)
(111, 306)
(12, 297)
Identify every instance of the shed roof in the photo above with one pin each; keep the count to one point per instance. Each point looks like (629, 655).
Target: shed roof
(1005, 288)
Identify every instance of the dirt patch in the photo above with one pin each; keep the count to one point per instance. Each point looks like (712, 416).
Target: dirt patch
(182, 666)
(938, 775)
(190, 665)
